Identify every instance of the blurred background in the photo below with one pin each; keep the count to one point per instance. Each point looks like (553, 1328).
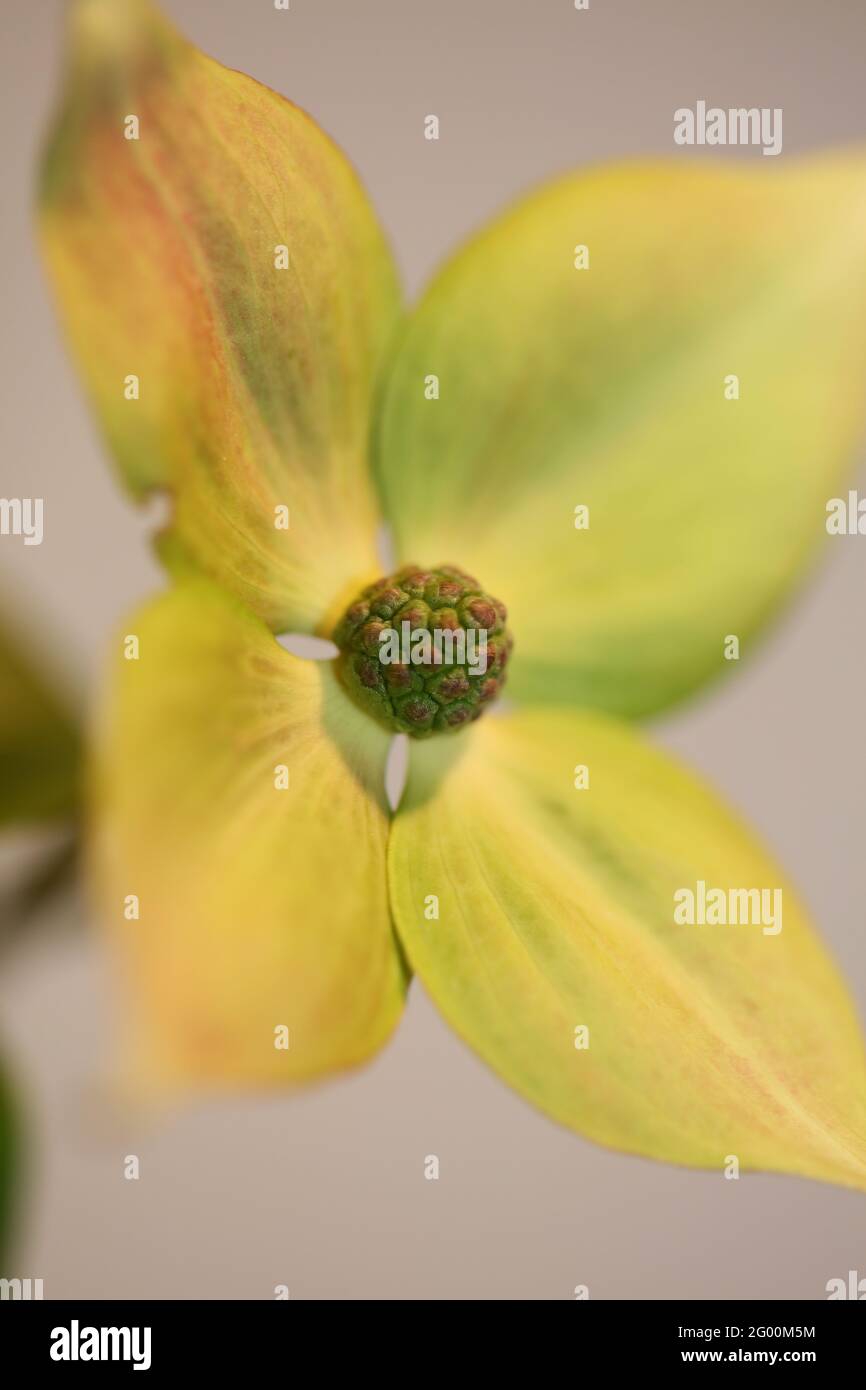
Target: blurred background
(325, 1191)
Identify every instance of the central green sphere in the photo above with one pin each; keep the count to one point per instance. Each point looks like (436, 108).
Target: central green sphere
(424, 651)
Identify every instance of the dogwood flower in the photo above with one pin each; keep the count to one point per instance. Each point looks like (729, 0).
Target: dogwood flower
(617, 413)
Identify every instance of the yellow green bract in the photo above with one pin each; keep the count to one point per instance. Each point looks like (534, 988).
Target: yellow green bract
(610, 389)
(241, 853)
(556, 914)
(254, 382)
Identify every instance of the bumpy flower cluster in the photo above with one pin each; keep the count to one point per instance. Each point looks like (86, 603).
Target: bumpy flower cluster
(438, 682)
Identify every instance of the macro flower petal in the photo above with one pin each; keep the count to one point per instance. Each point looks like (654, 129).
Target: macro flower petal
(626, 404)
(238, 849)
(227, 294)
(540, 881)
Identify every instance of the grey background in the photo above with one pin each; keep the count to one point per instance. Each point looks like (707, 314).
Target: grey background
(324, 1191)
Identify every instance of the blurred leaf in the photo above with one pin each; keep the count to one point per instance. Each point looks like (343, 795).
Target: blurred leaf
(9, 1167)
(23, 899)
(40, 749)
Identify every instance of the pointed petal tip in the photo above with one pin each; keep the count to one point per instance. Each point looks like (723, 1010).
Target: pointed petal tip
(108, 31)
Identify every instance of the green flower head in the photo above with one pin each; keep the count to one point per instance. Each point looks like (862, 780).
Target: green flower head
(424, 651)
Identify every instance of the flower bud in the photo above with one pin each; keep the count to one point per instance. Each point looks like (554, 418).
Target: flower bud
(424, 650)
